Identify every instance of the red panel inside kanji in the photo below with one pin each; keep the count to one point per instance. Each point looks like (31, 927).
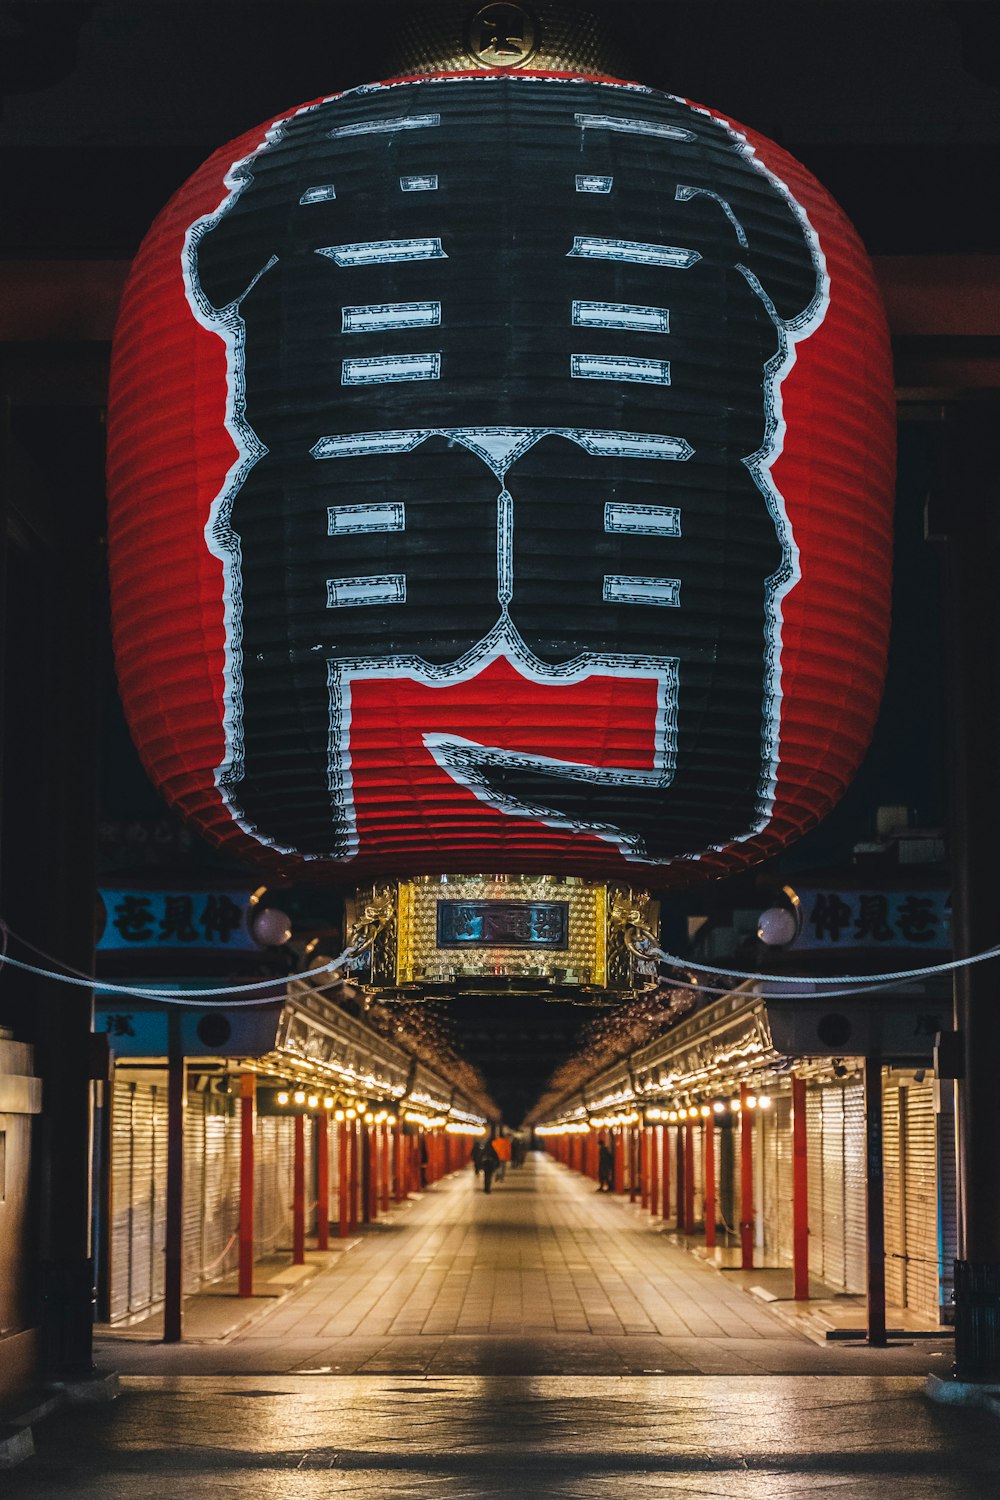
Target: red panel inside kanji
(500, 476)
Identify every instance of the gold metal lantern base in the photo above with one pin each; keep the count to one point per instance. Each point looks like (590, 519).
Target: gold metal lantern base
(502, 934)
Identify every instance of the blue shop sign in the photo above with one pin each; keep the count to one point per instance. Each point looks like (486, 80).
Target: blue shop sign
(175, 919)
(874, 919)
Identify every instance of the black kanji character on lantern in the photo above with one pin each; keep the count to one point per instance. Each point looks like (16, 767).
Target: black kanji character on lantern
(917, 919)
(220, 918)
(829, 916)
(134, 919)
(873, 920)
(178, 920)
(504, 362)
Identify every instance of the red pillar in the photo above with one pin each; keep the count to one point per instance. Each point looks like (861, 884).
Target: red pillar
(369, 1171)
(689, 1177)
(746, 1180)
(352, 1171)
(248, 1091)
(710, 1182)
(299, 1193)
(643, 1140)
(665, 1183)
(800, 1193)
(322, 1137)
(398, 1173)
(680, 1191)
(385, 1169)
(343, 1180)
(654, 1171)
(620, 1159)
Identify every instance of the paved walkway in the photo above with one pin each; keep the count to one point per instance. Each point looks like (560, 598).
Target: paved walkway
(542, 1277)
(514, 1438)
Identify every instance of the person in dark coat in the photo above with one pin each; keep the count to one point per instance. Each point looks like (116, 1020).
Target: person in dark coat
(605, 1167)
(490, 1162)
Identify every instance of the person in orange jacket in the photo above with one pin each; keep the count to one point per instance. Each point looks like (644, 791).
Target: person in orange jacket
(501, 1145)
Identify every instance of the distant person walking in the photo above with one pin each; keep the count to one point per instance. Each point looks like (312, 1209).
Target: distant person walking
(501, 1145)
(605, 1167)
(477, 1155)
(490, 1162)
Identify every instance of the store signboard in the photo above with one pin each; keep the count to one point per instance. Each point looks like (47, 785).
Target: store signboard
(195, 920)
(837, 918)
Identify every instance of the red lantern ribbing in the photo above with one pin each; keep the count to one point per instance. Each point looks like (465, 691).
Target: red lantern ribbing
(500, 477)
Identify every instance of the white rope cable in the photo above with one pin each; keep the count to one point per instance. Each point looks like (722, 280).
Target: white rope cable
(650, 951)
(715, 990)
(180, 997)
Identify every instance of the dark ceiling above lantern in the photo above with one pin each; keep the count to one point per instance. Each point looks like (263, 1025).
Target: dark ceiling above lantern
(500, 478)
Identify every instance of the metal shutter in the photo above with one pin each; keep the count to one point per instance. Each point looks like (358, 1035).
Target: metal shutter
(814, 1150)
(834, 1268)
(138, 1197)
(893, 1151)
(194, 1188)
(921, 1196)
(947, 1199)
(776, 1154)
(855, 1200)
(220, 1188)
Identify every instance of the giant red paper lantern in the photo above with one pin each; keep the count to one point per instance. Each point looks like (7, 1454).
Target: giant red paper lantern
(500, 478)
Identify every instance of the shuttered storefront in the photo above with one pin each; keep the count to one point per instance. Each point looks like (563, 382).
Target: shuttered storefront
(137, 1198)
(837, 1221)
(774, 1143)
(919, 1196)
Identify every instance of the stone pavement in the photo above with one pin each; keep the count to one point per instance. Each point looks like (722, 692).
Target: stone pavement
(539, 1342)
(514, 1438)
(542, 1277)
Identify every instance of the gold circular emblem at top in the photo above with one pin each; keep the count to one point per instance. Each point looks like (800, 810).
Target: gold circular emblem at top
(502, 36)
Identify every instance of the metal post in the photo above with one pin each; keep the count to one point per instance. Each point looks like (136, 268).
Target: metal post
(173, 1281)
(800, 1193)
(248, 1091)
(875, 1200)
(299, 1193)
(322, 1129)
(710, 1212)
(746, 1181)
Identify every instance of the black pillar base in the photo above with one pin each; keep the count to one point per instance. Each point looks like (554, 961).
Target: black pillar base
(67, 1302)
(977, 1320)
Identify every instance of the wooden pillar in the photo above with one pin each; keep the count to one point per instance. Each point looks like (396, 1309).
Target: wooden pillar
(689, 1177)
(710, 1209)
(343, 1180)
(248, 1100)
(643, 1134)
(173, 1286)
(654, 1171)
(746, 1180)
(680, 1189)
(665, 1185)
(299, 1193)
(322, 1136)
(633, 1164)
(800, 1193)
(620, 1159)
